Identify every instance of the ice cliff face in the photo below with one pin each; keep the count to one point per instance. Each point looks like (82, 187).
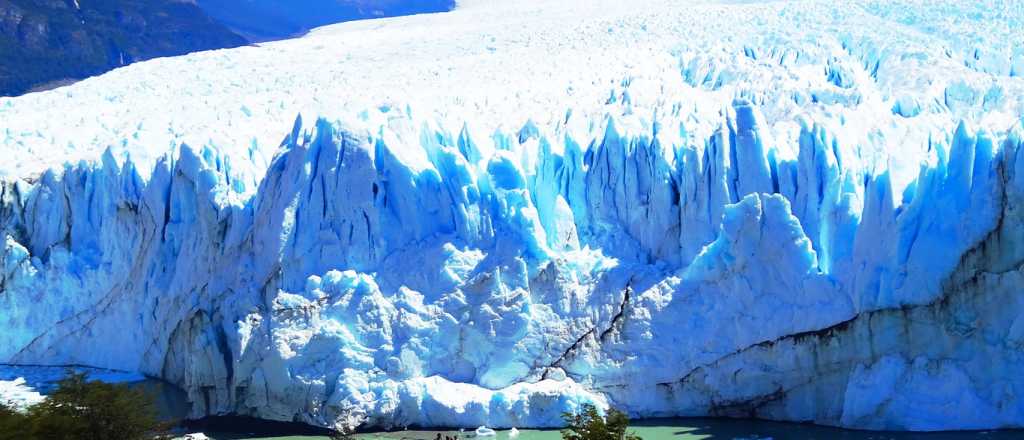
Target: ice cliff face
(772, 229)
(408, 278)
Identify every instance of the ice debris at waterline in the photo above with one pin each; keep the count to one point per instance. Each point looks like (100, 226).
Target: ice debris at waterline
(791, 210)
(17, 394)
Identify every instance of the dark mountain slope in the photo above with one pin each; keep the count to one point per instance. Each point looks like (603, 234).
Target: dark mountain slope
(48, 41)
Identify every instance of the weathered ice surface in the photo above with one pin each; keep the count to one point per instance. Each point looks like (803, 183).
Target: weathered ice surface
(822, 229)
(390, 280)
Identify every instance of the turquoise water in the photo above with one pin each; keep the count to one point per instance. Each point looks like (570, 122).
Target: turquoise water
(171, 402)
(173, 405)
(683, 429)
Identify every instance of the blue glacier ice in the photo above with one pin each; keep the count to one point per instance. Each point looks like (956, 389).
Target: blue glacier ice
(804, 210)
(397, 275)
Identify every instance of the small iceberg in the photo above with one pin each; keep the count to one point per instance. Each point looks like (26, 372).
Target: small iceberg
(513, 433)
(484, 431)
(19, 394)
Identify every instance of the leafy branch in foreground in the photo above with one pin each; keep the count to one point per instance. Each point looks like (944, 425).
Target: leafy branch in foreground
(589, 425)
(12, 423)
(84, 410)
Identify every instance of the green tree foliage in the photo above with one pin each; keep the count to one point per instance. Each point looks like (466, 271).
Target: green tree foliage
(589, 425)
(13, 424)
(83, 410)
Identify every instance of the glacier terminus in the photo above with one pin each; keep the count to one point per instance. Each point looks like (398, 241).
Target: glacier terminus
(805, 211)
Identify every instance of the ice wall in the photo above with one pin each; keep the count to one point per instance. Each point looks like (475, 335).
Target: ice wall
(392, 271)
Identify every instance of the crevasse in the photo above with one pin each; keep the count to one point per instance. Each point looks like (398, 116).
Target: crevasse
(394, 273)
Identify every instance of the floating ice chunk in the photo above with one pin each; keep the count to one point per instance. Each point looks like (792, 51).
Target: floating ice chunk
(17, 394)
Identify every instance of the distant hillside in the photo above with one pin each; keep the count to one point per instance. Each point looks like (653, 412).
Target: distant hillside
(49, 42)
(261, 20)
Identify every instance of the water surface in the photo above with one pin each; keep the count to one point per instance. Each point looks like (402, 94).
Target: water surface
(683, 429)
(17, 382)
(172, 404)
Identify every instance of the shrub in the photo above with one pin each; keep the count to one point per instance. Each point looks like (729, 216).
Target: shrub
(83, 410)
(589, 425)
(13, 424)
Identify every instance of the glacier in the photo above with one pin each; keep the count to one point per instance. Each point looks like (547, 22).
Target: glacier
(766, 225)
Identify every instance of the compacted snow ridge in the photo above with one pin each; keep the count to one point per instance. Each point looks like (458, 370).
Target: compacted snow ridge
(797, 210)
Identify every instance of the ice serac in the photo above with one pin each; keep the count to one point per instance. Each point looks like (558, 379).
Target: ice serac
(391, 273)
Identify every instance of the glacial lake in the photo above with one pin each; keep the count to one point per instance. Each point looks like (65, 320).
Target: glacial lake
(683, 429)
(172, 405)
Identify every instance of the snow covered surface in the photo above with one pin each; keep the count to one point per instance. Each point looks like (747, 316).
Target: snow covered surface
(792, 210)
(495, 65)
